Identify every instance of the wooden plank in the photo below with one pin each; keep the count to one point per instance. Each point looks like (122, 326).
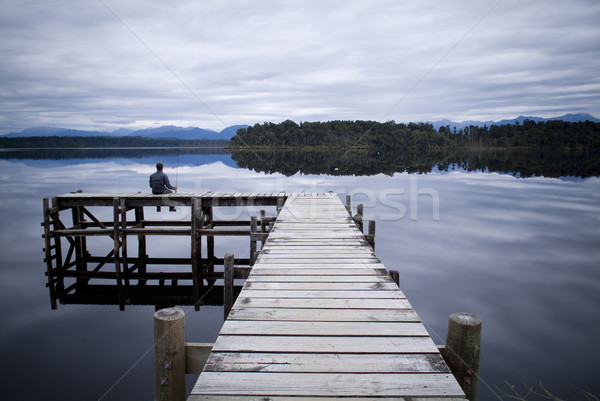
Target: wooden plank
(328, 384)
(322, 294)
(317, 303)
(318, 265)
(369, 345)
(324, 260)
(317, 286)
(325, 363)
(323, 315)
(372, 278)
(327, 328)
(319, 253)
(197, 397)
(264, 270)
(319, 317)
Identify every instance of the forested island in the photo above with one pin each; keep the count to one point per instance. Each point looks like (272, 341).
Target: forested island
(391, 135)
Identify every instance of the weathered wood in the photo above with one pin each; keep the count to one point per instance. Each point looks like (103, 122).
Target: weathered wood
(324, 315)
(330, 303)
(196, 250)
(395, 275)
(169, 354)
(371, 236)
(213, 397)
(48, 247)
(323, 294)
(228, 297)
(196, 356)
(373, 345)
(326, 363)
(261, 270)
(328, 384)
(253, 228)
(117, 252)
(319, 316)
(323, 328)
(463, 348)
(256, 278)
(321, 286)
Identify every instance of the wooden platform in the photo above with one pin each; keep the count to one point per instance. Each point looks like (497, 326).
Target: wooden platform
(320, 318)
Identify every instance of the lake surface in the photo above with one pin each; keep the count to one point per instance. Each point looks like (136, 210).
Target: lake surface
(522, 253)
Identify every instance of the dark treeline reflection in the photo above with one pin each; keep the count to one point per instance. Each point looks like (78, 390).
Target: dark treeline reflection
(547, 163)
(104, 153)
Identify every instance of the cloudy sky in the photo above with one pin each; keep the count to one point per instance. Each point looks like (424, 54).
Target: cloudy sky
(106, 64)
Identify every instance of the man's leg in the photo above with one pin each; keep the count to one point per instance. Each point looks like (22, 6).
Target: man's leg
(171, 208)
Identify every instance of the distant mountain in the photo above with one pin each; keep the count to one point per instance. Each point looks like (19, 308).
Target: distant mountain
(171, 131)
(231, 131)
(52, 131)
(168, 131)
(567, 117)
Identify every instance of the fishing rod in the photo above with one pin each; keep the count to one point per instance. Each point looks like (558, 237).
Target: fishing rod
(178, 149)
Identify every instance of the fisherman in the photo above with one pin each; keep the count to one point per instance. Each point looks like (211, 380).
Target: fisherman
(159, 182)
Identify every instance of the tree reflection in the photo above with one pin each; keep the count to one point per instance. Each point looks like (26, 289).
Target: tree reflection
(522, 163)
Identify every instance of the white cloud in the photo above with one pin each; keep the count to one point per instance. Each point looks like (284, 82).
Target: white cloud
(104, 65)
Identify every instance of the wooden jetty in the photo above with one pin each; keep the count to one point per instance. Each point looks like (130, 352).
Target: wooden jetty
(96, 246)
(320, 318)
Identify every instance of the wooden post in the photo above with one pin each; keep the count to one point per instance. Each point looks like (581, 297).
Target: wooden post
(210, 240)
(263, 228)
(280, 202)
(169, 354)
(124, 257)
(48, 253)
(463, 346)
(349, 204)
(228, 285)
(372, 233)
(56, 225)
(253, 226)
(117, 252)
(196, 224)
(358, 218)
(395, 275)
(142, 256)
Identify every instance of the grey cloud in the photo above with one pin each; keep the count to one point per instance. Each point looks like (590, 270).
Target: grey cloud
(83, 65)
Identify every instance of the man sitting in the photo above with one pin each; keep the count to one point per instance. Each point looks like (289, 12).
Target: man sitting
(159, 182)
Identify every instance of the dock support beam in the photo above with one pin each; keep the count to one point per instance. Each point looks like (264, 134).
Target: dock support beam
(371, 235)
(253, 229)
(462, 351)
(228, 297)
(169, 354)
(358, 218)
(395, 275)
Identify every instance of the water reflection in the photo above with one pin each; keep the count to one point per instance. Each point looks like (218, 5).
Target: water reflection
(547, 163)
(521, 253)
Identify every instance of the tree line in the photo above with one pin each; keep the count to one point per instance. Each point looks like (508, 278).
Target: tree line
(392, 135)
(105, 142)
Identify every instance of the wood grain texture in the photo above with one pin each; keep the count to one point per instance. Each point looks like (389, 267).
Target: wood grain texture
(319, 317)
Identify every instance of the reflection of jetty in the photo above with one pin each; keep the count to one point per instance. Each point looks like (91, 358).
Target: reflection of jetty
(318, 317)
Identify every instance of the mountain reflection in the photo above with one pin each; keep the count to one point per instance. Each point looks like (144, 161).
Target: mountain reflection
(520, 163)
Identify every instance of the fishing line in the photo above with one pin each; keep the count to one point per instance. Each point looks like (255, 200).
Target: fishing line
(178, 149)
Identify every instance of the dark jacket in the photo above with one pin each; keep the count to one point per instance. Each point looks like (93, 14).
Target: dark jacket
(159, 182)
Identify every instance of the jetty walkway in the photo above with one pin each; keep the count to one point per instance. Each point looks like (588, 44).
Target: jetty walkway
(319, 318)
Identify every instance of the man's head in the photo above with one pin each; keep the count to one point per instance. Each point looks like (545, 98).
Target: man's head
(159, 166)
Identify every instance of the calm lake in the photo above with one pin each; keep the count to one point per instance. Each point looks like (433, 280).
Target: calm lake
(521, 251)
